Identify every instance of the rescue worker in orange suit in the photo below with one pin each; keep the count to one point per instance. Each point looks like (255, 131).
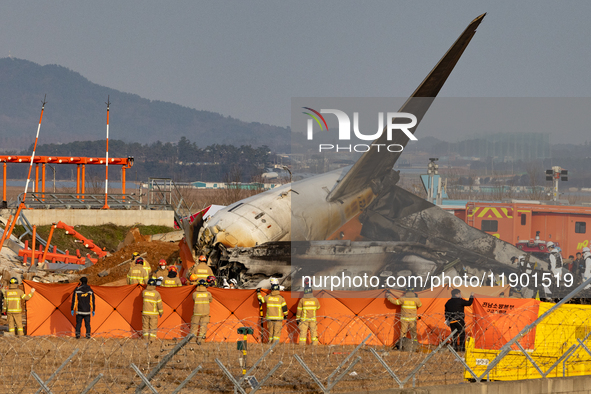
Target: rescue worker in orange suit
(409, 304)
(137, 274)
(306, 316)
(202, 269)
(276, 312)
(83, 305)
(162, 272)
(14, 299)
(172, 280)
(145, 264)
(202, 298)
(454, 318)
(151, 310)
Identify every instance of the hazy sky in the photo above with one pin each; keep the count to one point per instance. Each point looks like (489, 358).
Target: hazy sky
(247, 59)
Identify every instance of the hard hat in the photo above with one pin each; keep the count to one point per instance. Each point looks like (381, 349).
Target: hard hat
(152, 282)
(274, 281)
(586, 249)
(307, 290)
(172, 268)
(13, 281)
(202, 258)
(274, 287)
(134, 255)
(162, 262)
(550, 244)
(233, 281)
(139, 260)
(193, 277)
(202, 282)
(210, 279)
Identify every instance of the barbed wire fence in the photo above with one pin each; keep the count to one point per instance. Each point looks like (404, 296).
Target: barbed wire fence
(356, 354)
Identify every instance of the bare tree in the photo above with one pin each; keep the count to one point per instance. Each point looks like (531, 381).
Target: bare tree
(534, 172)
(96, 184)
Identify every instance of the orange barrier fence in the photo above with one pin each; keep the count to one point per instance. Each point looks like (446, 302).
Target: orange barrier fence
(77, 258)
(118, 312)
(88, 243)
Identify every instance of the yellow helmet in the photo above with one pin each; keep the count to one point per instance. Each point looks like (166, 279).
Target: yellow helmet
(193, 277)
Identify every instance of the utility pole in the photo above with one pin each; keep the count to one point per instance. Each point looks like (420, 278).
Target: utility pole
(432, 170)
(556, 174)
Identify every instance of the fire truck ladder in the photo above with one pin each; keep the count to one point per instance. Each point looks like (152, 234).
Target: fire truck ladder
(164, 193)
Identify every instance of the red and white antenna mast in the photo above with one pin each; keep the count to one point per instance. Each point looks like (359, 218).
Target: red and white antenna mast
(6, 234)
(106, 206)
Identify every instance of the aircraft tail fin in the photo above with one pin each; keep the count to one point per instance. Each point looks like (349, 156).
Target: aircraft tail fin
(375, 164)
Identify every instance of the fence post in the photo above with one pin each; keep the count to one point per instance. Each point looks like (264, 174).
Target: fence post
(347, 359)
(41, 383)
(342, 375)
(309, 371)
(53, 375)
(507, 347)
(238, 383)
(229, 375)
(568, 351)
(146, 381)
(381, 360)
(91, 385)
(461, 360)
(414, 371)
(164, 361)
(262, 383)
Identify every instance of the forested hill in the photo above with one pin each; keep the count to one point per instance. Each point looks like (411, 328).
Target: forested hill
(76, 111)
(182, 161)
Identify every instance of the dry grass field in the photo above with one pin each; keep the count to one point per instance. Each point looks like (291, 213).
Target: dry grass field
(113, 357)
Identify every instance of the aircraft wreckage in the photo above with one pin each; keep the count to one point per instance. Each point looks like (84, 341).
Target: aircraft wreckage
(295, 230)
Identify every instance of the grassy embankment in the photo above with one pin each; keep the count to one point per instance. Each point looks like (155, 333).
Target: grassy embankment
(107, 236)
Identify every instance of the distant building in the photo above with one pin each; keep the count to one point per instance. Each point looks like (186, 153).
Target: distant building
(244, 186)
(510, 146)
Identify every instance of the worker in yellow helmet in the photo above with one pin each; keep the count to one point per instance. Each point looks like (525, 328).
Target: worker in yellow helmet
(306, 316)
(408, 315)
(276, 312)
(137, 274)
(201, 298)
(152, 308)
(202, 269)
(14, 299)
(145, 263)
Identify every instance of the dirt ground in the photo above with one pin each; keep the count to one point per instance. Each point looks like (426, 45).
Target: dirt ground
(155, 250)
(113, 357)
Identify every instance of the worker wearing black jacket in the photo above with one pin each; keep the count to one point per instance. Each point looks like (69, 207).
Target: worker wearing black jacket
(83, 305)
(454, 317)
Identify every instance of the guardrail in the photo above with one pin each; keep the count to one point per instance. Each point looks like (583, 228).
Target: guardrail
(81, 201)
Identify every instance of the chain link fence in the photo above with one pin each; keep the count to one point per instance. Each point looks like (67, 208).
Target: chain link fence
(104, 364)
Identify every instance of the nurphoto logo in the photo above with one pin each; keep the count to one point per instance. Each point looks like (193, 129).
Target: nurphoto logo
(345, 130)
